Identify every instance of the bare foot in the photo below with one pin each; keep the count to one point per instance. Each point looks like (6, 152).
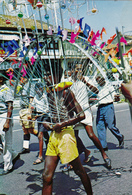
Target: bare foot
(69, 166)
(104, 155)
(87, 156)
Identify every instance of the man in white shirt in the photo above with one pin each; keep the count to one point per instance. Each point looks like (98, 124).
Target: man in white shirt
(41, 109)
(80, 89)
(27, 126)
(106, 114)
(6, 123)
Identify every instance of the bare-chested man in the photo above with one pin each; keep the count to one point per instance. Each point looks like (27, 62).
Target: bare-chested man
(65, 112)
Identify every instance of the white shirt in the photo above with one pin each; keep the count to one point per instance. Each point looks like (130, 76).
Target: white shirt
(106, 93)
(81, 94)
(5, 96)
(80, 91)
(41, 104)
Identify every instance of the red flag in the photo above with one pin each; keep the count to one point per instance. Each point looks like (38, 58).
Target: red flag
(109, 41)
(102, 31)
(91, 35)
(129, 51)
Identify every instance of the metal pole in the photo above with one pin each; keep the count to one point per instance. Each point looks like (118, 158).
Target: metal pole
(41, 20)
(46, 14)
(55, 16)
(34, 21)
(26, 10)
(35, 24)
(24, 26)
(61, 15)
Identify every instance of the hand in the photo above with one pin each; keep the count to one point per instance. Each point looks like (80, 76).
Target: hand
(29, 117)
(6, 127)
(47, 126)
(117, 97)
(36, 117)
(57, 127)
(83, 80)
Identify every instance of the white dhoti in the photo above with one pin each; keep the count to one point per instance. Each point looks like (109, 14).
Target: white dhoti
(87, 121)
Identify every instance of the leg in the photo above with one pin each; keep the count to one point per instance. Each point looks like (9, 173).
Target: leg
(33, 131)
(81, 148)
(101, 127)
(46, 137)
(40, 137)
(40, 157)
(26, 140)
(80, 171)
(42, 129)
(7, 156)
(26, 129)
(95, 140)
(111, 121)
(49, 169)
(8, 153)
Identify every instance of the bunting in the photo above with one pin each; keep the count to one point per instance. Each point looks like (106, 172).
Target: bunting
(101, 34)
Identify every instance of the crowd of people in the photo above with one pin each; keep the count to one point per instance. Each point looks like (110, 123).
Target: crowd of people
(63, 109)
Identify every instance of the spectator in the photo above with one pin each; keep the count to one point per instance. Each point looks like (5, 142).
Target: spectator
(40, 108)
(25, 113)
(106, 114)
(80, 89)
(6, 107)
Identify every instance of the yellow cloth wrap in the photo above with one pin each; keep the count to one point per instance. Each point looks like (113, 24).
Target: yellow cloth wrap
(62, 85)
(63, 144)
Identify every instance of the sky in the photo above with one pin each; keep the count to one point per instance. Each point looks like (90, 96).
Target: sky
(111, 14)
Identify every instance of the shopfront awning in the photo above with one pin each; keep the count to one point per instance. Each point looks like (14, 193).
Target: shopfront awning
(9, 37)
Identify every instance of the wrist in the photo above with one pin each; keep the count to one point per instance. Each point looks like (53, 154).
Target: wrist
(64, 124)
(7, 120)
(83, 80)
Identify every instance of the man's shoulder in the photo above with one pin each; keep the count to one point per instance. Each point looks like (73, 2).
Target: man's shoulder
(67, 93)
(4, 88)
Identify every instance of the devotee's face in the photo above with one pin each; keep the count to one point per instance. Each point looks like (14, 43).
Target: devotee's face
(67, 74)
(78, 71)
(48, 79)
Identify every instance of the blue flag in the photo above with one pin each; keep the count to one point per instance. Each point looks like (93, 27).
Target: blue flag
(13, 44)
(87, 29)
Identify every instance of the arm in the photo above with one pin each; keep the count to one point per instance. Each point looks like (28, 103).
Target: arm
(72, 106)
(9, 114)
(91, 87)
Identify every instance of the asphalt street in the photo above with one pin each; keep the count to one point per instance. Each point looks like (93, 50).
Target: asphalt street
(26, 179)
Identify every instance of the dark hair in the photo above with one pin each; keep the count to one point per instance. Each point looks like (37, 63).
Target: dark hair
(99, 76)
